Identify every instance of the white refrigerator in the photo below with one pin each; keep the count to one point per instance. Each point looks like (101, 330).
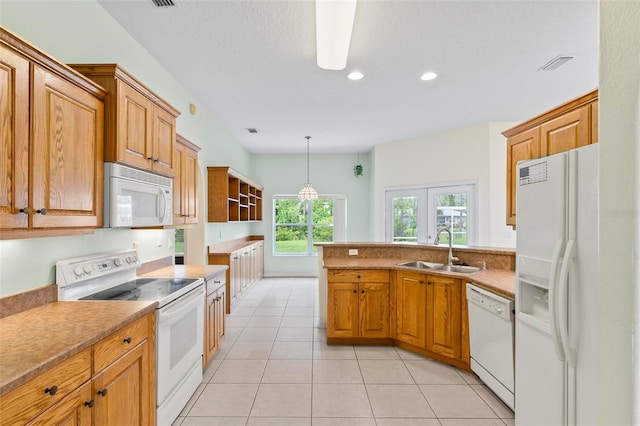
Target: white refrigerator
(556, 294)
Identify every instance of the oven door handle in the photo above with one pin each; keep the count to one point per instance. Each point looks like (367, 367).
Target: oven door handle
(181, 305)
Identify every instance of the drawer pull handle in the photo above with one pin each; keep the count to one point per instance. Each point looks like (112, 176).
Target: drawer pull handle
(89, 404)
(52, 390)
(26, 210)
(127, 340)
(42, 211)
(355, 291)
(102, 392)
(358, 276)
(421, 281)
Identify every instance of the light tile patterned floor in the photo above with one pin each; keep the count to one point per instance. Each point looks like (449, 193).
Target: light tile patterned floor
(275, 369)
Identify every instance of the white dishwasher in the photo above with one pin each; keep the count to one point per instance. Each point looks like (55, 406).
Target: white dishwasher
(491, 332)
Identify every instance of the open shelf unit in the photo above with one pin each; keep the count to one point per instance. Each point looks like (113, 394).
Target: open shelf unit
(232, 197)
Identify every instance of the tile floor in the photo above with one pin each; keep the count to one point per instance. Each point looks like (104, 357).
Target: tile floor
(275, 369)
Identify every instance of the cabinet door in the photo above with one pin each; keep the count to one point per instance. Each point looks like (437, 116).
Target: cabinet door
(444, 316)
(523, 146)
(73, 410)
(342, 313)
(374, 310)
(594, 122)
(569, 131)
(122, 391)
(164, 141)
(411, 308)
(178, 185)
(14, 139)
(135, 125)
(234, 277)
(66, 146)
(211, 333)
(190, 186)
(220, 313)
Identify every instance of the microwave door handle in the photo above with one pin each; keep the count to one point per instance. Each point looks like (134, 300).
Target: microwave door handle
(163, 205)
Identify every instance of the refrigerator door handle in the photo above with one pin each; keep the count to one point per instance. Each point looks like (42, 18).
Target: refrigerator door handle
(563, 303)
(553, 313)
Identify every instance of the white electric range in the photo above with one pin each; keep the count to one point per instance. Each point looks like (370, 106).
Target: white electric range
(111, 276)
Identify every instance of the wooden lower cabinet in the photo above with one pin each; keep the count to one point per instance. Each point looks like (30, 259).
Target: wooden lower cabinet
(358, 302)
(121, 390)
(73, 410)
(427, 312)
(444, 316)
(215, 312)
(411, 297)
(245, 259)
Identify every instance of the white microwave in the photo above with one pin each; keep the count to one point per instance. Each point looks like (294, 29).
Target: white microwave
(136, 198)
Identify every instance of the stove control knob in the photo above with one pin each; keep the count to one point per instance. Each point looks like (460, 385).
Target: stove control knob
(77, 270)
(118, 261)
(87, 269)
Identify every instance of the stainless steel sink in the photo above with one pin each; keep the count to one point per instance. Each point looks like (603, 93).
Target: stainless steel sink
(422, 265)
(460, 269)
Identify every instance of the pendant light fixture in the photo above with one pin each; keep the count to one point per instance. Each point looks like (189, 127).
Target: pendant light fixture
(307, 192)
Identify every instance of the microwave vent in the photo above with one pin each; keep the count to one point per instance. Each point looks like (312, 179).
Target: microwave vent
(556, 63)
(163, 3)
(139, 175)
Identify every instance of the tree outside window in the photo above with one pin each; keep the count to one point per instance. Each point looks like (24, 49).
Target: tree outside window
(298, 224)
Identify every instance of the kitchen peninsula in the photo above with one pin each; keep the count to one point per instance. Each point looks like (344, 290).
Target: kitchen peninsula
(368, 297)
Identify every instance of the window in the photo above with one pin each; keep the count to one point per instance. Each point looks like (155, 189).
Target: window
(299, 224)
(414, 215)
(178, 246)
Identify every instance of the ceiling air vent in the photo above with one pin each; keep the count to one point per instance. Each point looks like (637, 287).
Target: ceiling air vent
(163, 3)
(556, 63)
(252, 130)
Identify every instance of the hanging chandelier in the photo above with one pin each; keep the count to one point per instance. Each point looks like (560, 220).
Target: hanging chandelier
(307, 192)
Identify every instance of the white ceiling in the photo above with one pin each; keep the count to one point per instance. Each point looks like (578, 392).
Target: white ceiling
(252, 65)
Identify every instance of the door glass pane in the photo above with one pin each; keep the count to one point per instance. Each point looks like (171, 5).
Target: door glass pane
(451, 211)
(405, 219)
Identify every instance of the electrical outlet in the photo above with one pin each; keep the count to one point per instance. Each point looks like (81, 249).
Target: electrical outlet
(220, 234)
(159, 241)
(353, 252)
(135, 245)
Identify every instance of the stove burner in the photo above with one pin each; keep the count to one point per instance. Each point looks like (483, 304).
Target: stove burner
(143, 289)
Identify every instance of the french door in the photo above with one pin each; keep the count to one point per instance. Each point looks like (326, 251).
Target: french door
(414, 215)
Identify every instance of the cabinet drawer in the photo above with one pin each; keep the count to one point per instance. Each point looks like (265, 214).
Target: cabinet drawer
(215, 283)
(119, 343)
(27, 401)
(358, 275)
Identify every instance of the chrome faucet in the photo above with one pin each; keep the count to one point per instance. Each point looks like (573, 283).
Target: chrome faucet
(441, 229)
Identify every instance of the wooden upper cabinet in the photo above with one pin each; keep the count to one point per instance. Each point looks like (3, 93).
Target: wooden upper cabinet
(51, 154)
(523, 146)
(185, 182)
(67, 153)
(566, 132)
(140, 127)
(232, 197)
(568, 126)
(14, 135)
(135, 116)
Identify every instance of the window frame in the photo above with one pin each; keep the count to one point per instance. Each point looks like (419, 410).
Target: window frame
(425, 229)
(338, 226)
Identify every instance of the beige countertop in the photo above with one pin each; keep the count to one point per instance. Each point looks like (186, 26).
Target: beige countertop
(187, 271)
(229, 247)
(499, 281)
(37, 339)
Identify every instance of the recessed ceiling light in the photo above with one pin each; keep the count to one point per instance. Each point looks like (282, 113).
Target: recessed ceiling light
(355, 75)
(428, 76)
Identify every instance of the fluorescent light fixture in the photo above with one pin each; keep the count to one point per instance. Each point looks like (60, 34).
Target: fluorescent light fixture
(428, 76)
(356, 75)
(334, 22)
